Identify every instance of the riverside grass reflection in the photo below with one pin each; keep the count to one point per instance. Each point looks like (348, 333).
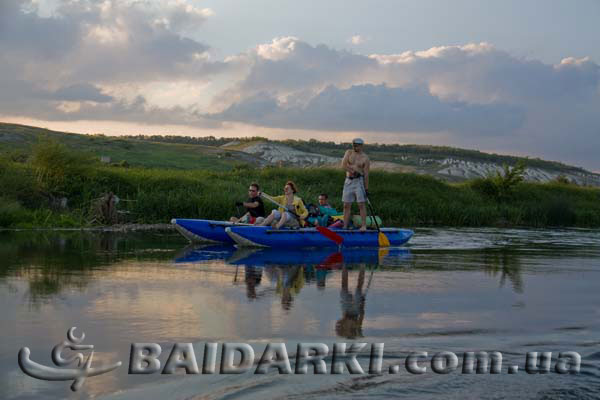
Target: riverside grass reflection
(55, 261)
(52, 262)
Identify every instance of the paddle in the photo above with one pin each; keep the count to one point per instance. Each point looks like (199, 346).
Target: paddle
(328, 233)
(383, 240)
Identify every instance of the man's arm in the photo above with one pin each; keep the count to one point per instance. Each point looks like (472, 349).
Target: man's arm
(366, 172)
(253, 204)
(346, 162)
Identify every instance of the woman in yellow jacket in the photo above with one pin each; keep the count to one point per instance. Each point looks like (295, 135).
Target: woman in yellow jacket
(288, 202)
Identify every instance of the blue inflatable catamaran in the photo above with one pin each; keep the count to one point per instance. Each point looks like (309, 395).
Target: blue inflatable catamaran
(201, 230)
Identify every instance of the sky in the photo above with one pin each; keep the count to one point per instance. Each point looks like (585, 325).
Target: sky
(513, 77)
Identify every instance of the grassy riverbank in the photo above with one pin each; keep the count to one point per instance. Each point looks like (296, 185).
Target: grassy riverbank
(30, 191)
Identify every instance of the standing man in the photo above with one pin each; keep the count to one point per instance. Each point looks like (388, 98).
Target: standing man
(356, 186)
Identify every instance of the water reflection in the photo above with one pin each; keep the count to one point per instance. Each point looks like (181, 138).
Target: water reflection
(292, 269)
(508, 266)
(323, 258)
(52, 262)
(454, 290)
(353, 307)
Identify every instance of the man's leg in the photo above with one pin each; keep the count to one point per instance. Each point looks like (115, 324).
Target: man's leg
(363, 216)
(259, 220)
(347, 211)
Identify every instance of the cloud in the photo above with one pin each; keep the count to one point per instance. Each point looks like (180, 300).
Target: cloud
(377, 108)
(81, 92)
(141, 61)
(480, 95)
(357, 40)
(96, 52)
(287, 65)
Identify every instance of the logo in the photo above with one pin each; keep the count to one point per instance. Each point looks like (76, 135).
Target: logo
(78, 373)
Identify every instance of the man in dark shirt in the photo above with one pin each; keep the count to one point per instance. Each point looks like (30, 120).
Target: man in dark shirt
(254, 206)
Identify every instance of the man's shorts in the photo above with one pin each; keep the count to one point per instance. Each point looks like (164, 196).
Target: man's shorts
(353, 191)
(248, 219)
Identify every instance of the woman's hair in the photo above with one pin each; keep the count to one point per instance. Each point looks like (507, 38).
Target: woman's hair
(292, 185)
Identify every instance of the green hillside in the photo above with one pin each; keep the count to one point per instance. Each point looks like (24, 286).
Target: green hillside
(413, 154)
(185, 152)
(17, 141)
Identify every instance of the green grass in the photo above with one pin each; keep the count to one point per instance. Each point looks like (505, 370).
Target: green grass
(157, 195)
(18, 141)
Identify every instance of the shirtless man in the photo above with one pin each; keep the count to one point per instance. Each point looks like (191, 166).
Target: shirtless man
(356, 186)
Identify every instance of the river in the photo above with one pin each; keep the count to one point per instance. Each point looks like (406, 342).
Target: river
(456, 290)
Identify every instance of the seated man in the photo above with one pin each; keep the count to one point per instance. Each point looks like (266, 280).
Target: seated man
(254, 206)
(323, 213)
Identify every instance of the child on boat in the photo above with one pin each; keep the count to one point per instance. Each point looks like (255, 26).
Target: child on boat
(321, 214)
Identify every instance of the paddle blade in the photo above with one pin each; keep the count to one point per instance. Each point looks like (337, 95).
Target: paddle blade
(329, 234)
(383, 240)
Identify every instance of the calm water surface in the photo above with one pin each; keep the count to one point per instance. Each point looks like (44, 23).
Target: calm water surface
(458, 290)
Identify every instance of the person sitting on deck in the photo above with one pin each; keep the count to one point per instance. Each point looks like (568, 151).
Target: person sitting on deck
(254, 206)
(291, 213)
(322, 214)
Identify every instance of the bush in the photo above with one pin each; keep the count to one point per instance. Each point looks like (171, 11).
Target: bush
(54, 164)
(562, 180)
(559, 212)
(502, 186)
(486, 187)
(11, 212)
(18, 183)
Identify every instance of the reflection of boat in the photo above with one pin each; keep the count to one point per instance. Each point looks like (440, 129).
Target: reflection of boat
(323, 258)
(198, 254)
(263, 236)
(203, 230)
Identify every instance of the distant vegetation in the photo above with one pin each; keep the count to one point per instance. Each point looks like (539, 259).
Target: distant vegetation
(413, 152)
(17, 142)
(32, 193)
(186, 152)
(204, 140)
(382, 152)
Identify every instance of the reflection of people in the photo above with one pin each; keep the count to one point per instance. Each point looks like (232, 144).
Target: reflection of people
(293, 214)
(254, 206)
(252, 277)
(356, 186)
(321, 276)
(353, 307)
(289, 281)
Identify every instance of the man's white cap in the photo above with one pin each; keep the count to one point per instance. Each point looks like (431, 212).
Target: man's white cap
(358, 141)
